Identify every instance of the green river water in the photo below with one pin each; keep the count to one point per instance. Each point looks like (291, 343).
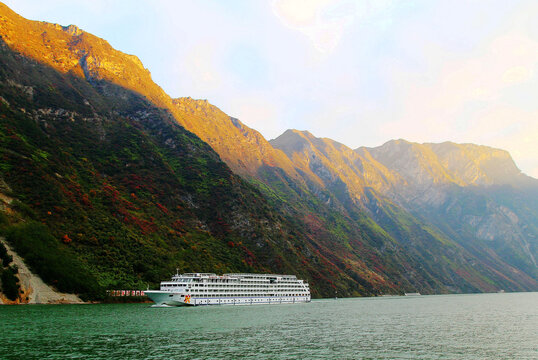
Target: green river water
(478, 326)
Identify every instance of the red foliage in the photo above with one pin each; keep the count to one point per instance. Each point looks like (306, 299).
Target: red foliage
(59, 209)
(163, 209)
(223, 227)
(178, 225)
(231, 244)
(129, 205)
(86, 200)
(250, 258)
(137, 182)
(66, 239)
(145, 226)
(111, 192)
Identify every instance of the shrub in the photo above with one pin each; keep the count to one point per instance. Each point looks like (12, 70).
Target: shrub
(4, 220)
(23, 209)
(4, 257)
(10, 282)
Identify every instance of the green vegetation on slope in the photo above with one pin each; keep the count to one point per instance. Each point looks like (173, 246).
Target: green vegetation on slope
(55, 264)
(8, 279)
(121, 193)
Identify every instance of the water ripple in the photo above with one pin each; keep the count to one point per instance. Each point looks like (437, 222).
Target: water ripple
(486, 326)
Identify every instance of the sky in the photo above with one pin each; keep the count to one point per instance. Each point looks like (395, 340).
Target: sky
(359, 72)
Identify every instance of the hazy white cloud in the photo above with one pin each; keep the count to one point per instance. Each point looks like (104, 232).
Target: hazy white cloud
(510, 128)
(199, 68)
(322, 21)
(517, 74)
(469, 99)
(505, 62)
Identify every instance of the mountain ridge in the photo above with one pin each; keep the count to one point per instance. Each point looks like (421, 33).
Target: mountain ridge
(423, 182)
(149, 141)
(342, 220)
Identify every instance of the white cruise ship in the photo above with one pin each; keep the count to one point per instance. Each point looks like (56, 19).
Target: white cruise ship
(230, 289)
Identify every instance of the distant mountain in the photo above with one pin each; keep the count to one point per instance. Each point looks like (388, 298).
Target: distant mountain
(476, 193)
(473, 197)
(108, 181)
(460, 164)
(335, 165)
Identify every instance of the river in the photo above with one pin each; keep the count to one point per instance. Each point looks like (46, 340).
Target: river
(476, 326)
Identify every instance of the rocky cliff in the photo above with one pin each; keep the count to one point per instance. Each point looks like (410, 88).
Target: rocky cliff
(119, 184)
(473, 195)
(475, 190)
(107, 189)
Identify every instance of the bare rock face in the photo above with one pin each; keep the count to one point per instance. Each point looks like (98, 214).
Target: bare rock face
(448, 163)
(468, 185)
(430, 170)
(417, 163)
(5, 198)
(333, 164)
(69, 49)
(477, 165)
(72, 30)
(244, 149)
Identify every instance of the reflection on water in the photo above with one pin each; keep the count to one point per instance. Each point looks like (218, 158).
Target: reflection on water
(483, 326)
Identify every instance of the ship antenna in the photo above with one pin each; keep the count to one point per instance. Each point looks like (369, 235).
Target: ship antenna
(177, 271)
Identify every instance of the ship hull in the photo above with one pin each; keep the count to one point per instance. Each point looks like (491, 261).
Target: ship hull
(167, 299)
(247, 301)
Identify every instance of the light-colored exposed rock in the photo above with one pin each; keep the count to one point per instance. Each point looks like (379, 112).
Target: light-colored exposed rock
(5, 199)
(333, 163)
(244, 149)
(427, 164)
(434, 173)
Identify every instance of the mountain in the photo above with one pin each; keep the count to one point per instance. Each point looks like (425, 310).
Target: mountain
(476, 193)
(419, 195)
(250, 151)
(352, 189)
(335, 164)
(108, 182)
(105, 189)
